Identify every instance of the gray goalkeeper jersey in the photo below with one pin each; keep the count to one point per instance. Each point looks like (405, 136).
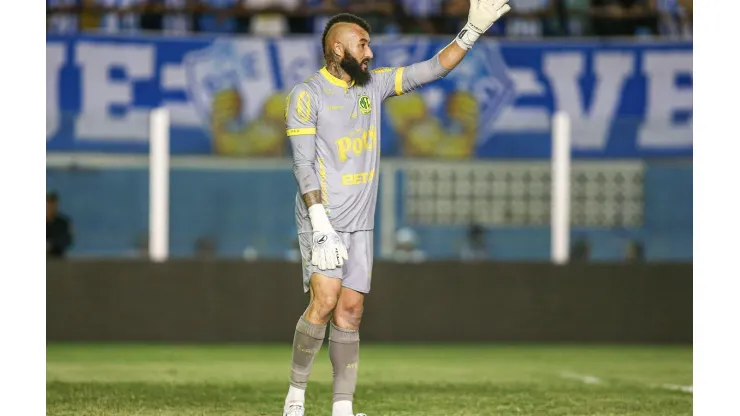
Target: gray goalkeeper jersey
(334, 129)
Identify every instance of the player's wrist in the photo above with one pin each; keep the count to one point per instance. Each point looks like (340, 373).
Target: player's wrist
(319, 219)
(468, 35)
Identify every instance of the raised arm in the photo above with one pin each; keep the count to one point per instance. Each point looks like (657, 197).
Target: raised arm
(482, 15)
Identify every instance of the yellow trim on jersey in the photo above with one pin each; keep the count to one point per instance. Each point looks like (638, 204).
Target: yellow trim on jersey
(399, 81)
(298, 132)
(334, 80)
(322, 182)
(382, 69)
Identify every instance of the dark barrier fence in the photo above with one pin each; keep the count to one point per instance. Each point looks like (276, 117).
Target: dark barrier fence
(229, 301)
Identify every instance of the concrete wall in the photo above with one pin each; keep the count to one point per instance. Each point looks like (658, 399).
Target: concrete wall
(234, 301)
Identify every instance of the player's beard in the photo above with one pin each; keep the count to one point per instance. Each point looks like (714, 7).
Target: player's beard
(353, 68)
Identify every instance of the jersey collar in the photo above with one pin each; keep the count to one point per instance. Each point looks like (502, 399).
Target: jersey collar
(334, 80)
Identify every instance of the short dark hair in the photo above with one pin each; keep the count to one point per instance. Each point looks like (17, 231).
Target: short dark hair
(342, 18)
(52, 196)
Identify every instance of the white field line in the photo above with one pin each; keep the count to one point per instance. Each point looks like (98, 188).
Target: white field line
(584, 378)
(589, 379)
(685, 389)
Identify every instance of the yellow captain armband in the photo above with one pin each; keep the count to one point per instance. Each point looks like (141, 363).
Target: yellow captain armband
(399, 81)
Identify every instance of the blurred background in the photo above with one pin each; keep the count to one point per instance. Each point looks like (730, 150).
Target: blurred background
(463, 250)
(466, 172)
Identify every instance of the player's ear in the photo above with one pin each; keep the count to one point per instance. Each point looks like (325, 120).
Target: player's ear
(339, 49)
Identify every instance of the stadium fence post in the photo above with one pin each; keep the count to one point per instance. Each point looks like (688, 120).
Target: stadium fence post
(159, 169)
(560, 191)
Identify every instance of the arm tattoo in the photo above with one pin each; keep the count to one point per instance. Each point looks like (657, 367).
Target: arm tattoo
(312, 198)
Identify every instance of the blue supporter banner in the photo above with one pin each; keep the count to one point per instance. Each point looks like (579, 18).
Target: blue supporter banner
(226, 96)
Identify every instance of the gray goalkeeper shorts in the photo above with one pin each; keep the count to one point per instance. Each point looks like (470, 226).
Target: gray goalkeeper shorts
(357, 269)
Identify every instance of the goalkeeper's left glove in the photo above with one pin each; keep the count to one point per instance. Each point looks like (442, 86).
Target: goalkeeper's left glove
(482, 15)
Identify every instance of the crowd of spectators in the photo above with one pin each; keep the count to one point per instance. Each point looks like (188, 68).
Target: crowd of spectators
(528, 18)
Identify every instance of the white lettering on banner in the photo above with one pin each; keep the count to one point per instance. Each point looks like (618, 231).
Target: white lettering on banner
(208, 71)
(664, 99)
(518, 118)
(256, 78)
(590, 127)
(55, 57)
(182, 113)
(100, 92)
(239, 68)
(298, 59)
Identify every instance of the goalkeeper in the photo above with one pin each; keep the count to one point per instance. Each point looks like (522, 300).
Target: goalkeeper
(333, 121)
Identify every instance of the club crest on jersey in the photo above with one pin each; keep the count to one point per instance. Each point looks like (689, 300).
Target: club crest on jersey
(364, 103)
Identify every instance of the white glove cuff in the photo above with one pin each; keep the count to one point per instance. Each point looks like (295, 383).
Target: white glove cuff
(467, 36)
(319, 220)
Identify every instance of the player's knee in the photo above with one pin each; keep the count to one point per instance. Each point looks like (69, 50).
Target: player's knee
(324, 305)
(348, 314)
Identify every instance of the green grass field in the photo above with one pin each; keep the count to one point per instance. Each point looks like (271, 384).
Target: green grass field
(394, 380)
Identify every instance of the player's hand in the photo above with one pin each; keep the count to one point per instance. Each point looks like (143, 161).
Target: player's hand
(327, 250)
(484, 13)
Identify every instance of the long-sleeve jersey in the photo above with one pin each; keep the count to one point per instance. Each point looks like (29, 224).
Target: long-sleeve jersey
(334, 129)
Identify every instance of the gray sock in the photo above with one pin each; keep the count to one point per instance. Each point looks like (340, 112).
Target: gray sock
(306, 344)
(344, 352)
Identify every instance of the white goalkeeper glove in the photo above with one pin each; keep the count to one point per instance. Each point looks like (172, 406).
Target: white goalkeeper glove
(327, 250)
(482, 15)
